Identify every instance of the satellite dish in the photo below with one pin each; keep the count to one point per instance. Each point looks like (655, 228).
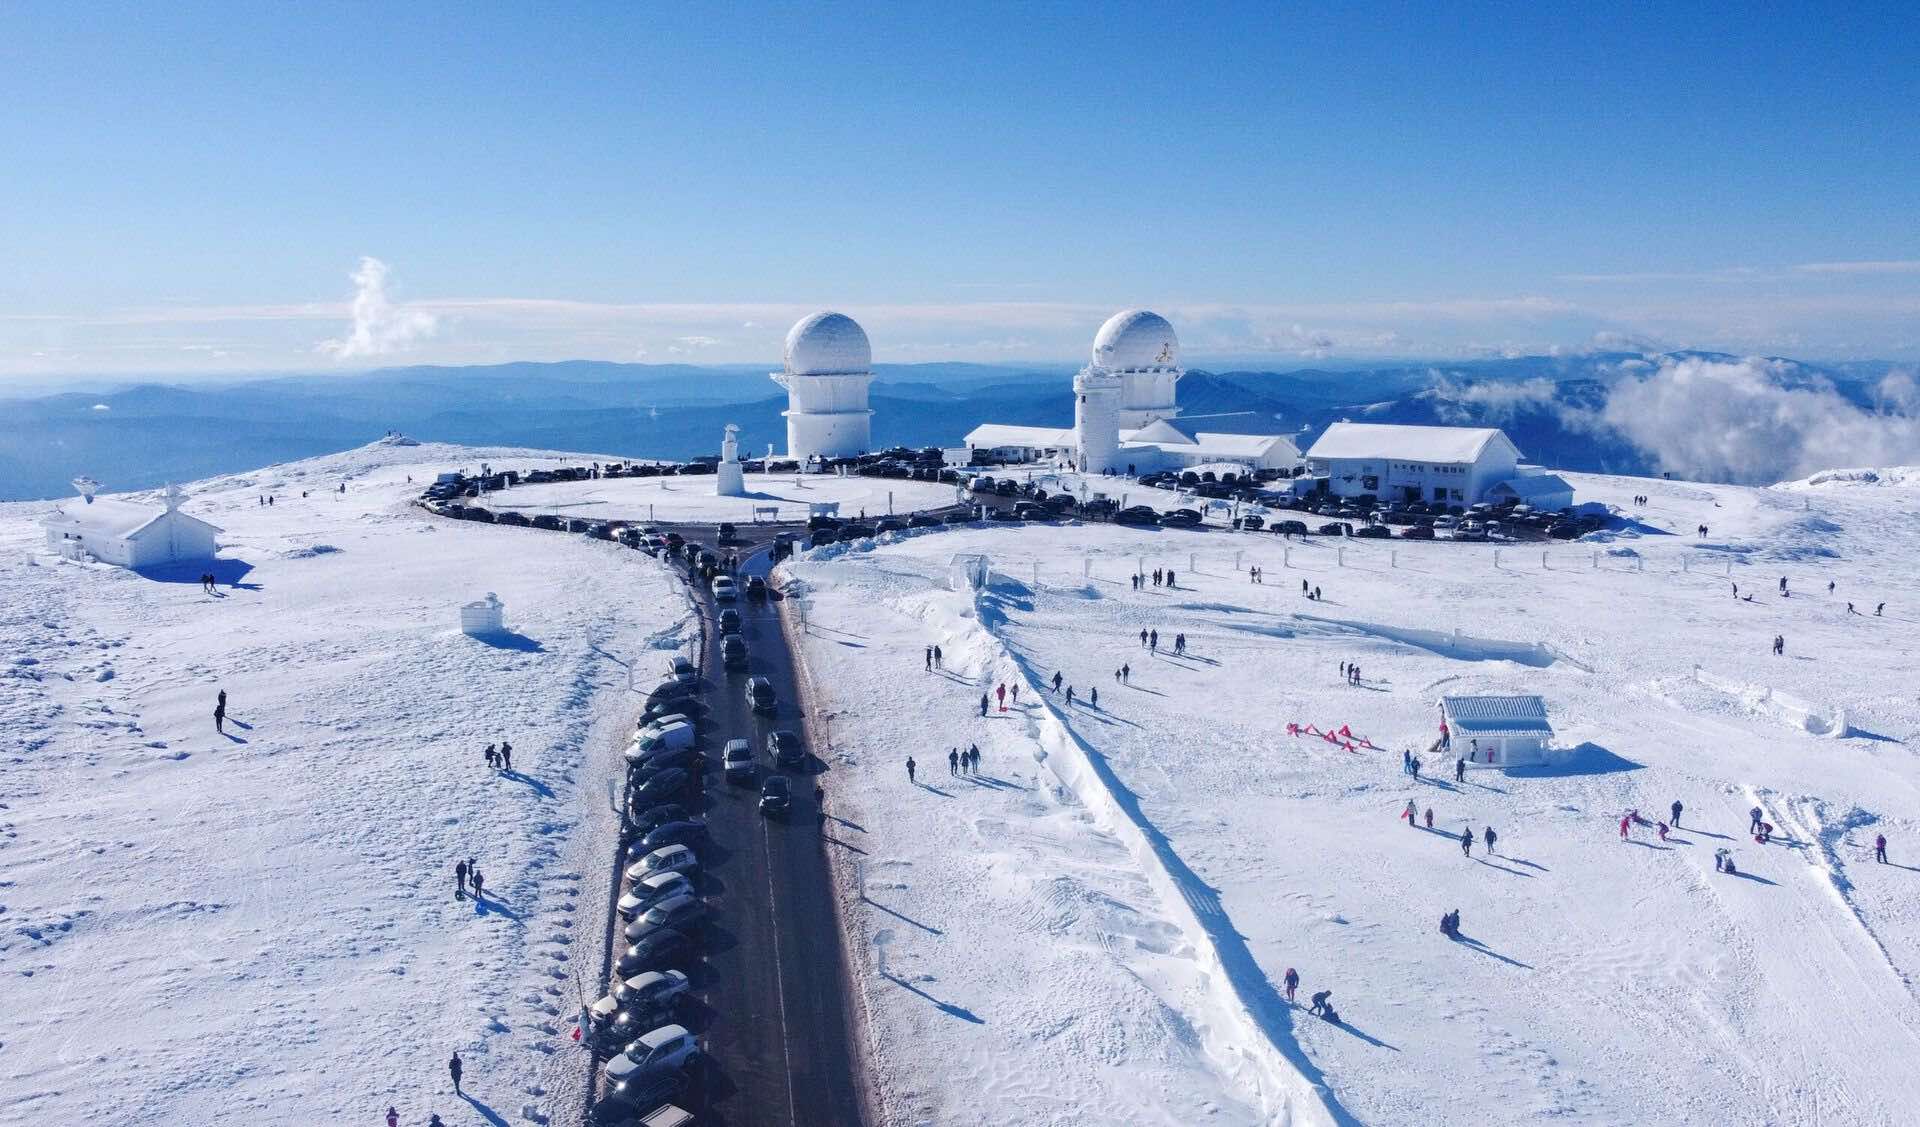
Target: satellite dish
(86, 487)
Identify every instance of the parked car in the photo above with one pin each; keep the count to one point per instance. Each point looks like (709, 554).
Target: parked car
(549, 522)
(1372, 532)
(1180, 518)
(636, 1095)
(776, 795)
(1335, 528)
(681, 913)
(1137, 514)
(856, 531)
(651, 890)
(729, 621)
(660, 737)
(691, 707)
(923, 520)
(784, 748)
(756, 587)
(657, 951)
(662, 786)
(650, 991)
(1252, 522)
(733, 651)
(760, 694)
(683, 832)
(1417, 532)
(723, 588)
(736, 761)
(890, 524)
(666, 859)
(518, 520)
(682, 670)
(726, 533)
(643, 818)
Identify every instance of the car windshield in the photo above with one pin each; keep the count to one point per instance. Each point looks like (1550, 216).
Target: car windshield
(777, 785)
(783, 740)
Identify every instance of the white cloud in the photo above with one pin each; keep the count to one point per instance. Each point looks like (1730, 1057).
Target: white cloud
(1741, 421)
(380, 327)
(1879, 266)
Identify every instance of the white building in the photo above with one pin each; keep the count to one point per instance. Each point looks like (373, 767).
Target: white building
(129, 534)
(1508, 731)
(1124, 411)
(829, 365)
(1396, 463)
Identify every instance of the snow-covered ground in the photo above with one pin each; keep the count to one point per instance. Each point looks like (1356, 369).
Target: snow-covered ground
(1094, 930)
(693, 499)
(259, 927)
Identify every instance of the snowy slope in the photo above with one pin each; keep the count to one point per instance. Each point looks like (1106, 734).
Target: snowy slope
(260, 927)
(1095, 930)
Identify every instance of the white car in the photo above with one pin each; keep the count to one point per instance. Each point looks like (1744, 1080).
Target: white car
(724, 590)
(666, 859)
(669, 1046)
(682, 671)
(653, 889)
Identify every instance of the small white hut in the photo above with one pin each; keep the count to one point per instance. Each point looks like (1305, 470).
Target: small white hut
(126, 533)
(484, 617)
(1510, 731)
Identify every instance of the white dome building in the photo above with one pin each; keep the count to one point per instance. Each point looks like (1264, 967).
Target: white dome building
(828, 367)
(1141, 348)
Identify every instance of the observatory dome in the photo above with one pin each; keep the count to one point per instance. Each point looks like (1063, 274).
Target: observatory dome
(828, 344)
(1136, 338)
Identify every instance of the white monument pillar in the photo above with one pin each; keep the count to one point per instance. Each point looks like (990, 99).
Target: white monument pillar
(728, 480)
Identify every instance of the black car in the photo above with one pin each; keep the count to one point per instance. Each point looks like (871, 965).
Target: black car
(1335, 528)
(726, 533)
(1372, 532)
(1137, 514)
(1290, 527)
(733, 652)
(549, 522)
(890, 525)
(652, 817)
(856, 532)
(693, 708)
(776, 795)
(923, 520)
(1250, 523)
(672, 833)
(760, 694)
(784, 748)
(518, 520)
(825, 536)
(965, 516)
(662, 785)
(657, 950)
(729, 621)
(1180, 518)
(756, 587)
(816, 523)
(1004, 516)
(1005, 488)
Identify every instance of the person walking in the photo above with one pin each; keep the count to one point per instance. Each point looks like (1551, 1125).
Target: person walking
(1014, 696)
(453, 1069)
(1429, 817)
(506, 756)
(1409, 814)
(460, 881)
(1153, 641)
(929, 657)
(1414, 765)
(1170, 581)
(474, 878)
(1753, 820)
(1069, 696)
(938, 658)
(1878, 607)
(1626, 824)
(983, 706)
(1459, 770)
(1143, 638)
(1466, 841)
(1660, 828)
(1126, 673)
(393, 1116)
(1093, 696)
(1000, 691)
(1057, 678)
(220, 718)
(1880, 848)
(910, 758)
(1292, 981)
(1490, 837)
(974, 749)
(492, 757)
(953, 761)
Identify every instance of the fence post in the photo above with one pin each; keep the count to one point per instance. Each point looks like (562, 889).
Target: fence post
(1340, 555)
(1236, 560)
(1086, 567)
(1286, 557)
(1596, 561)
(1496, 557)
(1192, 564)
(1639, 563)
(1393, 557)
(1036, 573)
(1543, 562)
(1684, 564)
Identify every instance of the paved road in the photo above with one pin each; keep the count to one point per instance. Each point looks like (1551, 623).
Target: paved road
(772, 992)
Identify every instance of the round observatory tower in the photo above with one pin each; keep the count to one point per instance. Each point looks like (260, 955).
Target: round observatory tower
(828, 367)
(1140, 348)
(1096, 420)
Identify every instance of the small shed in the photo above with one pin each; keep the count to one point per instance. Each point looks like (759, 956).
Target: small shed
(129, 534)
(1506, 731)
(484, 617)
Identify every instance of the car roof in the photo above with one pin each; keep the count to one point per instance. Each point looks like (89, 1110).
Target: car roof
(774, 783)
(738, 745)
(663, 1035)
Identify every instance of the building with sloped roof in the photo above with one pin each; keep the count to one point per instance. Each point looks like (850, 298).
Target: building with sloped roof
(1398, 463)
(129, 534)
(1498, 731)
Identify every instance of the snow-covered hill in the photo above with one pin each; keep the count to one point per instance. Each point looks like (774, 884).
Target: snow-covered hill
(259, 927)
(1094, 929)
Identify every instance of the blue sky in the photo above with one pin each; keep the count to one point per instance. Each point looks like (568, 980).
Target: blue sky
(195, 187)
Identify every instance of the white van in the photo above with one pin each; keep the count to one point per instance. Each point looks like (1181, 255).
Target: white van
(659, 737)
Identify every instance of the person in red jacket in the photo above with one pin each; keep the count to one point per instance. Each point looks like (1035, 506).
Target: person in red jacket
(1626, 823)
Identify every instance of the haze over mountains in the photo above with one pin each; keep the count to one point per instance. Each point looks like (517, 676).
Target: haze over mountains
(1694, 414)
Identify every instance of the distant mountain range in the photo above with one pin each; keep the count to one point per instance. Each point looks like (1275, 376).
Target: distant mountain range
(143, 435)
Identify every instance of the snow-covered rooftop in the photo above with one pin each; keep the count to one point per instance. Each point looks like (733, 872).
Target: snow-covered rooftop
(988, 436)
(106, 517)
(1498, 714)
(1444, 445)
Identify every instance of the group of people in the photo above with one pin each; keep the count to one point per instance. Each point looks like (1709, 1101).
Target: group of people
(500, 759)
(1309, 591)
(207, 582)
(958, 762)
(1450, 924)
(1350, 672)
(1255, 574)
(935, 658)
(1161, 577)
(466, 876)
